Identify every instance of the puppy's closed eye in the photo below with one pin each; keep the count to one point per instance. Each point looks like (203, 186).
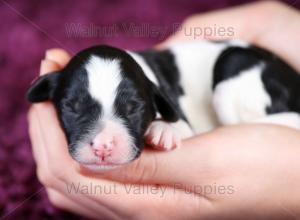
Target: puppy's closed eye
(73, 106)
(134, 107)
(130, 108)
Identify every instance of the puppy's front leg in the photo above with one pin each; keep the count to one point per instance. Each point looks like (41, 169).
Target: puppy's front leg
(164, 135)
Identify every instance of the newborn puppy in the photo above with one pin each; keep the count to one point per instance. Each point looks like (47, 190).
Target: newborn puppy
(106, 103)
(110, 102)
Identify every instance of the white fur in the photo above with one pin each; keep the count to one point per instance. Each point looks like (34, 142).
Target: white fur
(145, 67)
(104, 78)
(242, 98)
(196, 61)
(167, 136)
(122, 151)
(163, 135)
(184, 128)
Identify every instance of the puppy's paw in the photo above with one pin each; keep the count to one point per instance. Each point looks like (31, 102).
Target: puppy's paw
(163, 136)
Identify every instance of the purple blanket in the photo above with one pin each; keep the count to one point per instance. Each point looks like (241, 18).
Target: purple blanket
(27, 29)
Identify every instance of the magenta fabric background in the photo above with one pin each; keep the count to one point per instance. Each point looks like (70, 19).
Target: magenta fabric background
(27, 29)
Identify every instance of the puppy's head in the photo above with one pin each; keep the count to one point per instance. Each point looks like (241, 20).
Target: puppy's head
(104, 103)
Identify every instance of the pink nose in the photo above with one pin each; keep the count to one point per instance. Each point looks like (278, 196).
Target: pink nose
(102, 148)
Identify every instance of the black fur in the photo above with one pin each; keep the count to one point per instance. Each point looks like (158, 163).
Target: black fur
(164, 67)
(280, 80)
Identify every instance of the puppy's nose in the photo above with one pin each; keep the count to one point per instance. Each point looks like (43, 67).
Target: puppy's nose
(102, 147)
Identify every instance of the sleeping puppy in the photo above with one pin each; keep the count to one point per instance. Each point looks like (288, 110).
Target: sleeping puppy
(110, 102)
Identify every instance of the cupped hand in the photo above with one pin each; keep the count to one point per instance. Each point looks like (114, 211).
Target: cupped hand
(237, 172)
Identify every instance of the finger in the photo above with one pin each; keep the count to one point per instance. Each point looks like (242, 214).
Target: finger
(61, 201)
(169, 168)
(55, 141)
(39, 150)
(59, 56)
(51, 131)
(36, 139)
(48, 66)
(128, 200)
(38, 145)
(233, 21)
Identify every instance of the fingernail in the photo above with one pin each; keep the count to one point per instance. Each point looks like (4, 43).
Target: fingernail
(43, 66)
(48, 54)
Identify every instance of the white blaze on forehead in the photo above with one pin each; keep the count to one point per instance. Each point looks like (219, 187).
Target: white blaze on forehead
(104, 76)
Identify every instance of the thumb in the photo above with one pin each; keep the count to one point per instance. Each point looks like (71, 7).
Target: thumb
(181, 166)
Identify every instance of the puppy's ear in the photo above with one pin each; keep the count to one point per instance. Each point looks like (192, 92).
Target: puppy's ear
(165, 106)
(43, 88)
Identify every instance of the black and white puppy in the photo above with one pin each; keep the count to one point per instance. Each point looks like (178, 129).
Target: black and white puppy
(110, 101)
